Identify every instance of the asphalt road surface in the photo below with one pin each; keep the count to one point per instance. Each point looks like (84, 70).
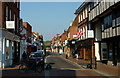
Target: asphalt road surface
(61, 68)
(65, 68)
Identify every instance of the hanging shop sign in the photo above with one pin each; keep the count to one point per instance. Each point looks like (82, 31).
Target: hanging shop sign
(23, 37)
(66, 42)
(20, 29)
(73, 42)
(10, 24)
(90, 34)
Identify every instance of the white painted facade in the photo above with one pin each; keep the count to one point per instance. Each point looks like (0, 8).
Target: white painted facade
(97, 39)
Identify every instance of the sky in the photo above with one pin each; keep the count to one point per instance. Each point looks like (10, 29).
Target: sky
(48, 18)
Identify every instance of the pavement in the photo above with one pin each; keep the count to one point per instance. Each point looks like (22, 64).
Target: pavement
(104, 69)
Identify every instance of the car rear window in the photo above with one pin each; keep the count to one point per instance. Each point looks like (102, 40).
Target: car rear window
(37, 55)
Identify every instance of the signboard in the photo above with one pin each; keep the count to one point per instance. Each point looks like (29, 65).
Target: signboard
(73, 42)
(74, 36)
(23, 37)
(66, 42)
(90, 34)
(10, 24)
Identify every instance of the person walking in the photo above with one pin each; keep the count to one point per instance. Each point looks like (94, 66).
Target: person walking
(66, 54)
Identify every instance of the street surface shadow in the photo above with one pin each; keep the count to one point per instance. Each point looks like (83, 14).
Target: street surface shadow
(16, 73)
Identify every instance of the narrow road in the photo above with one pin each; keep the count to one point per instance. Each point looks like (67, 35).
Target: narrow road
(65, 68)
(61, 63)
(61, 67)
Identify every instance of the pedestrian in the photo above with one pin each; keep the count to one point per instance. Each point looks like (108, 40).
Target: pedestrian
(77, 53)
(66, 55)
(77, 56)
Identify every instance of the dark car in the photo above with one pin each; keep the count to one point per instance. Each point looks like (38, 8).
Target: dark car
(38, 56)
(48, 53)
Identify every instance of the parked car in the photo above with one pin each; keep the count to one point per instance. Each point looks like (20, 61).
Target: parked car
(41, 51)
(38, 56)
(48, 53)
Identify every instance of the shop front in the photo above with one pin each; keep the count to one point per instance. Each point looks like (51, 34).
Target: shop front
(113, 47)
(85, 48)
(10, 49)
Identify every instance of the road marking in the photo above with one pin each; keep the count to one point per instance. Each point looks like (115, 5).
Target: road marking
(72, 69)
(104, 74)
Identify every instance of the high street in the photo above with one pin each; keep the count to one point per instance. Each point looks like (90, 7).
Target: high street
(61, 67)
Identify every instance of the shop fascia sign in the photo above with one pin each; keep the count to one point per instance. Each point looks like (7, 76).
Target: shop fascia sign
(90, 34)
(10, 24)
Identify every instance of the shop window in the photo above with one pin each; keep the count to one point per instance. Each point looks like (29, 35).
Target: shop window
(7, 49)
(110, 52)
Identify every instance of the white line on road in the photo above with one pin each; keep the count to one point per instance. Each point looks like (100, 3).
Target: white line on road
(47, 72)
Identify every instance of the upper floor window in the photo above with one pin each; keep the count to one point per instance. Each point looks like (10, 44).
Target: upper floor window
(6, 13)
(107, 22)
(116, 18)
(10, 14)
(79, 18)
(91, 5)
(17, 4)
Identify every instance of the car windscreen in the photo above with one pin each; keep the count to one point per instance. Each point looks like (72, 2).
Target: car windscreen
(37, 55)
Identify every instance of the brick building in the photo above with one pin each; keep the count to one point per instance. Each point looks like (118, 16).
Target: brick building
(72, 30)
(84, 44)
(28, 35)
(9, 35)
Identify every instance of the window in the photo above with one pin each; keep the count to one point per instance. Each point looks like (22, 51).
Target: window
(91, 5)
(17, 4)
(114, 19)
(10, 15)
(107, 22)
(110, 20)
(83, 14)
(118, 18)
(6, 13)
(86, 12)
(7, 49)
(79, 18)
(97, 9)
(15, 20)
